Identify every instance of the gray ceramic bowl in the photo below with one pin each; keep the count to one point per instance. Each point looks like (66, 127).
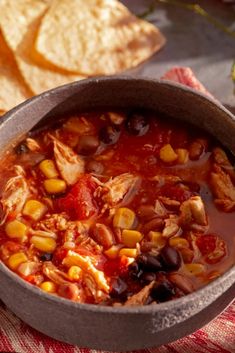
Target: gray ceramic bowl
(106, 327)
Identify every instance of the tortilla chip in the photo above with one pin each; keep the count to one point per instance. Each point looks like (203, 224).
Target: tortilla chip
(39, 75)
(95, 37)
(12, 87)
(16, 15)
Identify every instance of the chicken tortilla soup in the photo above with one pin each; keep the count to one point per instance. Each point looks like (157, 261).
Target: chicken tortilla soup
(118, 208)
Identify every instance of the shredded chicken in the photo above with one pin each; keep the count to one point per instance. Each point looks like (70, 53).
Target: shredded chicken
(91, 287)
(222, 160)
(70, 165)
(53, 223)
(223, 180)
(223, 189)
(86, 242)
(29, 268)
(54, 274)
(75, 229)
(15, 194)
(86, 264)
(141, 297)
(43, 233)
(193, 241)
(193, 211)
(159, 209)
(172, 227)
(79, 125)
(19, 170)
(33, 145)
(119, 190)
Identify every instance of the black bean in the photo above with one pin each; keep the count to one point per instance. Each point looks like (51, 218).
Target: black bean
(118, 288)
(87, 144)
(148, 277)
(149, 262)
(21, 148)
(109, 134)
(137, 124)
(170, 258)
(94, 167)
(135, 272)
(46, 257)
(163, 291)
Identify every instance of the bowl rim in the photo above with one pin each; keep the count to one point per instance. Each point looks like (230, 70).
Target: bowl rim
(140, 309)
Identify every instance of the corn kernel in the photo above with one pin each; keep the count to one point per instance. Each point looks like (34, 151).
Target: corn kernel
(183, 155)
(157, 239)
(34, 209)
(128, 252)
(179, 243)
(48, 286)
(195, 269)
(113, 252)
(16, 259)
(54, 186)
(167, 154)
(72, 259)
(16, 229)
(43, 244)
(131, 237)
(75, 273)
(48, 168)
(124, 218)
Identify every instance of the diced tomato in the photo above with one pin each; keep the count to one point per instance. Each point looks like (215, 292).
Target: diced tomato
(116, 267)
(31, 279)
(11, 216)
(59, 255)
(79, 203)
(212, 247)
(12, 247)
(9, 248)
(3, 237)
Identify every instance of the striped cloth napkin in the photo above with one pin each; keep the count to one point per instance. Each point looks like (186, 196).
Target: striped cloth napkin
(217, 337)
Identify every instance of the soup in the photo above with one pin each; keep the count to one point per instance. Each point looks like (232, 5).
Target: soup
(118, 208)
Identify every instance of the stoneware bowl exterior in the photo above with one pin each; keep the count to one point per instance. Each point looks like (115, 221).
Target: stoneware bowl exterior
(111, 328)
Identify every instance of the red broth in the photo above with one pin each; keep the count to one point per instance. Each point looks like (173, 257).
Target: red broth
(118, 208)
